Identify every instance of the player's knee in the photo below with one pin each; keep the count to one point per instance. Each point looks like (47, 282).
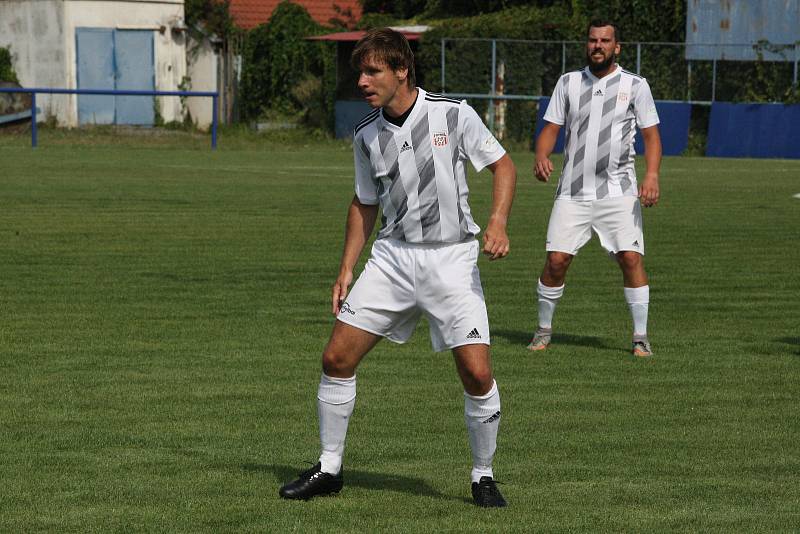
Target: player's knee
(334, 363)
(557, 264)
(629, 260)
(479, 381)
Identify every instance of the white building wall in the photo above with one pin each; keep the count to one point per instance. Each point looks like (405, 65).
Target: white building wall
(33, 31)
(41, 35)
(202, 67)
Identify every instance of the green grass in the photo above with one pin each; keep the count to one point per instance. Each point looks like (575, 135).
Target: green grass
(163, 309)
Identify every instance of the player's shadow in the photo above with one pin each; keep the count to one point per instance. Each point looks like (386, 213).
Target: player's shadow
(516, 337)
(794, 341)
(356, 478)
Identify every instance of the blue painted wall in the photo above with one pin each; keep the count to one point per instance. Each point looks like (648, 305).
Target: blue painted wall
(754, 131)
(348, 114)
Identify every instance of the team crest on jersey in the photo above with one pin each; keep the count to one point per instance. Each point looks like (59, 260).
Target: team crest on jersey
(439, 139)
(622, 97)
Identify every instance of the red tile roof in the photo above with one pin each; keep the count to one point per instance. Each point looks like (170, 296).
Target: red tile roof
(248, 14)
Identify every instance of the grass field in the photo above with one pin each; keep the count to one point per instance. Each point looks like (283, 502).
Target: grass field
(163, 309)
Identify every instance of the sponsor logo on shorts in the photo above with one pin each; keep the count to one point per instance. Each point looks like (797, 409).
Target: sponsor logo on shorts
(405, 147)
(495, 417)
(636, 243)
(474, 334)
(439, 139)
(345, 308)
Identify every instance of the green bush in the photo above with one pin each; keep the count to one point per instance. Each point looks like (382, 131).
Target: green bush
(7, 73)
(278, 62)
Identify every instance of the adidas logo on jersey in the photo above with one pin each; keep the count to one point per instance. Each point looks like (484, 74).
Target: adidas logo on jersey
(405, 147)
(598, 93)
(474, 334)
(495, 417)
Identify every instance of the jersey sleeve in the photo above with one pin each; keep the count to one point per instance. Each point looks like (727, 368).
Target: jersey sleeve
(557, 108)
(644, 107)
(366, 188)
(477, 142)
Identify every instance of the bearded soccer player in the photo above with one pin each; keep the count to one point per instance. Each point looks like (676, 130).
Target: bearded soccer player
(601, 107)
(410, 154)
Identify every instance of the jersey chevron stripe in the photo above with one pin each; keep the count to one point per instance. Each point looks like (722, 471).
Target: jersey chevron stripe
(443, 99)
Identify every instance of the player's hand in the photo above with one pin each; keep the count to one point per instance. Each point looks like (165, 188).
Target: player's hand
(495, 239)
(542, 169)
(339, 290)
(648, 190)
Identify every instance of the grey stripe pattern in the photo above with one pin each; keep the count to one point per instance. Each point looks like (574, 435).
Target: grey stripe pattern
(625, 182)
(584, 109)
(604, 138)
(567, 135)
(397, 194)
(455, 142)
(428, 195)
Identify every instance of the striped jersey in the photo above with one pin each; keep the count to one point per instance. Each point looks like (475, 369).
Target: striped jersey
(601, 116)
(417, 171)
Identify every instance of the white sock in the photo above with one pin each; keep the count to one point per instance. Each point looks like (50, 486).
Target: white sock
(482, 415)
(336, 399)
(548, 299)
(638, 299)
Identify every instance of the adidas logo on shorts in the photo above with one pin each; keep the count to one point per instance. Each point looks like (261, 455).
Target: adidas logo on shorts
(474, 334)
(636, 243)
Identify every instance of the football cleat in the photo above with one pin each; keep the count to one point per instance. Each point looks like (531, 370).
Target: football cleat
(486, 495)
(641, 347)
(312, 483)
(541, 339)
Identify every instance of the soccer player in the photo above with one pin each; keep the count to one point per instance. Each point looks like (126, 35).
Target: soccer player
(601, 107)
(410, 154)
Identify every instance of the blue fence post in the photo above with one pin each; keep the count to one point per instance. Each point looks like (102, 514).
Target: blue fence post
(34, 133)
(214, 122)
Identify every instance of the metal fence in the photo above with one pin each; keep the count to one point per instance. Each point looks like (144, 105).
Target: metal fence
(520, 71)
(33, 91)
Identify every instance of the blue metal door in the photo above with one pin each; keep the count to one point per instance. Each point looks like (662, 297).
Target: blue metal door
(133, 54)
(115, 59)
(95, 53)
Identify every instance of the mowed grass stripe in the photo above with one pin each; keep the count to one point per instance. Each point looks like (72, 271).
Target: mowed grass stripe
(164, 309)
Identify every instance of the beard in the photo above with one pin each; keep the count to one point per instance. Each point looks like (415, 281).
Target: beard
(603, 65)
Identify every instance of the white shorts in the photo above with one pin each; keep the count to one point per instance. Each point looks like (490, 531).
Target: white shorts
(616, 221)
(401, 281)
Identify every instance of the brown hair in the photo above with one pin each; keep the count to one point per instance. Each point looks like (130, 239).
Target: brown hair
(600, 23)
(387, 46)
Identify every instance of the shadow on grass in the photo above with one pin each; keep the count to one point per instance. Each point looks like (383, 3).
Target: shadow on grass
(360, 479)
(791, 341)
(523, 338)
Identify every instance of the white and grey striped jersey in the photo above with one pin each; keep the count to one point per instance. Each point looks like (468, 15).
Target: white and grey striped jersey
(417, 171)
(601, 116)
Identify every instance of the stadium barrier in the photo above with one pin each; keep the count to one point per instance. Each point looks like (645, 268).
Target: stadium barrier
(754, 131)
(674, 127)
(115, 92)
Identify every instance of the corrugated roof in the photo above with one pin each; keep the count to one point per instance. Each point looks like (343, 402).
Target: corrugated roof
(248, 14)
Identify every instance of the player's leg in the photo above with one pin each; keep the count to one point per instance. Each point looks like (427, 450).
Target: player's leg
(618, 223)
(336, 397)
(482, 416)
(637, 295)
(568, 230)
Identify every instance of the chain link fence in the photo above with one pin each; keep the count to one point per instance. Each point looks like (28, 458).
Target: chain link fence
(505, 78)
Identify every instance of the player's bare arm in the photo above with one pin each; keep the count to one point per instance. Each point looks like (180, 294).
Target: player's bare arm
(545, 143)
(495, 239)
(649, 192)
(360, 222)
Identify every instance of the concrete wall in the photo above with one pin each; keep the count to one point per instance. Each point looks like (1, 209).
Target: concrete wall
(41, 35)
(39, 61)
(202, 67)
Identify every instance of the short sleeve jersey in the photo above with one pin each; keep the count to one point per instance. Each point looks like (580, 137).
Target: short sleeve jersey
(417, 171)
(601, 116)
